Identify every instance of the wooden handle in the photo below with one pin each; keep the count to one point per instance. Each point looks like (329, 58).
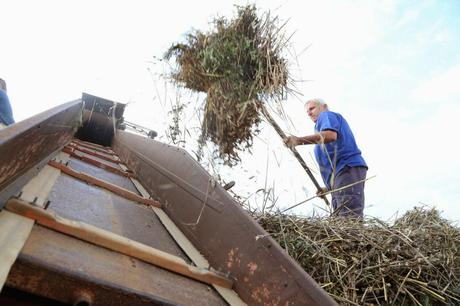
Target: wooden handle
(116, 243)
(296, 153)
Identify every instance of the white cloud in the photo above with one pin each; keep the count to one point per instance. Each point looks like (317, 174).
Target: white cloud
(414, 161)
(408, 17)
(441, 88)
(442, 36)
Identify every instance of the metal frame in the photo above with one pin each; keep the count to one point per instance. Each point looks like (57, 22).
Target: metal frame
(25, 144)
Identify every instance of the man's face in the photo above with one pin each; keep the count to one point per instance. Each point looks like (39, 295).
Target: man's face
(313, 110)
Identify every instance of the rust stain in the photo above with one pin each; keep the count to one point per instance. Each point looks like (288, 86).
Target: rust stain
(252, 267)
(266, 292)
(230, 259)
(262, 295)
(233, 258)
(255, 295)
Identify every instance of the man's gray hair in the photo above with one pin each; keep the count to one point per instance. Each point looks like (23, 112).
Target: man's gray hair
(318, 101)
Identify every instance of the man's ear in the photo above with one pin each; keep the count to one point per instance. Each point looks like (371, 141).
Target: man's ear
(325, 107)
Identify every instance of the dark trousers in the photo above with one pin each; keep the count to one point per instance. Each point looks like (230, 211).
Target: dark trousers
(349, 202)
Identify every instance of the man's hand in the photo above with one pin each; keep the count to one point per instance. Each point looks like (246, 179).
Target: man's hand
(291, 141)
(321, 193)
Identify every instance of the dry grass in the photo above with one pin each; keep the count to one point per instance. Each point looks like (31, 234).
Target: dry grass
(414, 261)
(239, 65)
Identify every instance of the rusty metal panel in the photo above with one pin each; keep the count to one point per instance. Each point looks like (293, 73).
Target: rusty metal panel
(65, 269)
(226, 235)
(110, 177)
(24, 144)
(76, 200)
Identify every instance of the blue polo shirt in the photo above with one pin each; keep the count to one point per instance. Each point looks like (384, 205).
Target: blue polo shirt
(6, 114)
(334, 156)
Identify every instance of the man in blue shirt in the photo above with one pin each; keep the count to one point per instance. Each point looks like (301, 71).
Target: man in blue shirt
(340, 162)
(6, 113)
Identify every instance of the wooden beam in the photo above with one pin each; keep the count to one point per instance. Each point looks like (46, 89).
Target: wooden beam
(97, 163)
(90, 144)
(38, 188)
(116, 243)
(103, 184)
(106, 151)
(93, 153)
(294, 151)
(14, 231)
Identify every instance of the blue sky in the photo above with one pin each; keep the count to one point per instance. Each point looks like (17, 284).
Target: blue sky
(420, 42)
(392, 68)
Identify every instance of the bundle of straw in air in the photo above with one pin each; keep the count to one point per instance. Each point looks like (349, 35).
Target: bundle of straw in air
(414, 261)
(238, 65)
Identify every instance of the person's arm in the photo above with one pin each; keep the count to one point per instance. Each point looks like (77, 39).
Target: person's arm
(321, 137)
(326, 136)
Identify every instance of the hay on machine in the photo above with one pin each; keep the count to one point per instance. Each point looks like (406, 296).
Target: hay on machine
(239, 65)
(413, 261)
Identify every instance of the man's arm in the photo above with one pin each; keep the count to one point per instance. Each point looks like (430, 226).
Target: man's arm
(326, 136)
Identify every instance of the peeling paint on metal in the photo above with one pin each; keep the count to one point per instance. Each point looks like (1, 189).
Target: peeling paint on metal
(233, 258)
(252, 267)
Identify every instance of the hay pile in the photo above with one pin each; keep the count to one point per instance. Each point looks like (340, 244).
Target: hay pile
(238, 65)
(415, 261)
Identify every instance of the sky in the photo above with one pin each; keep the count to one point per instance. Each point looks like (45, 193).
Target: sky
(391, 68)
